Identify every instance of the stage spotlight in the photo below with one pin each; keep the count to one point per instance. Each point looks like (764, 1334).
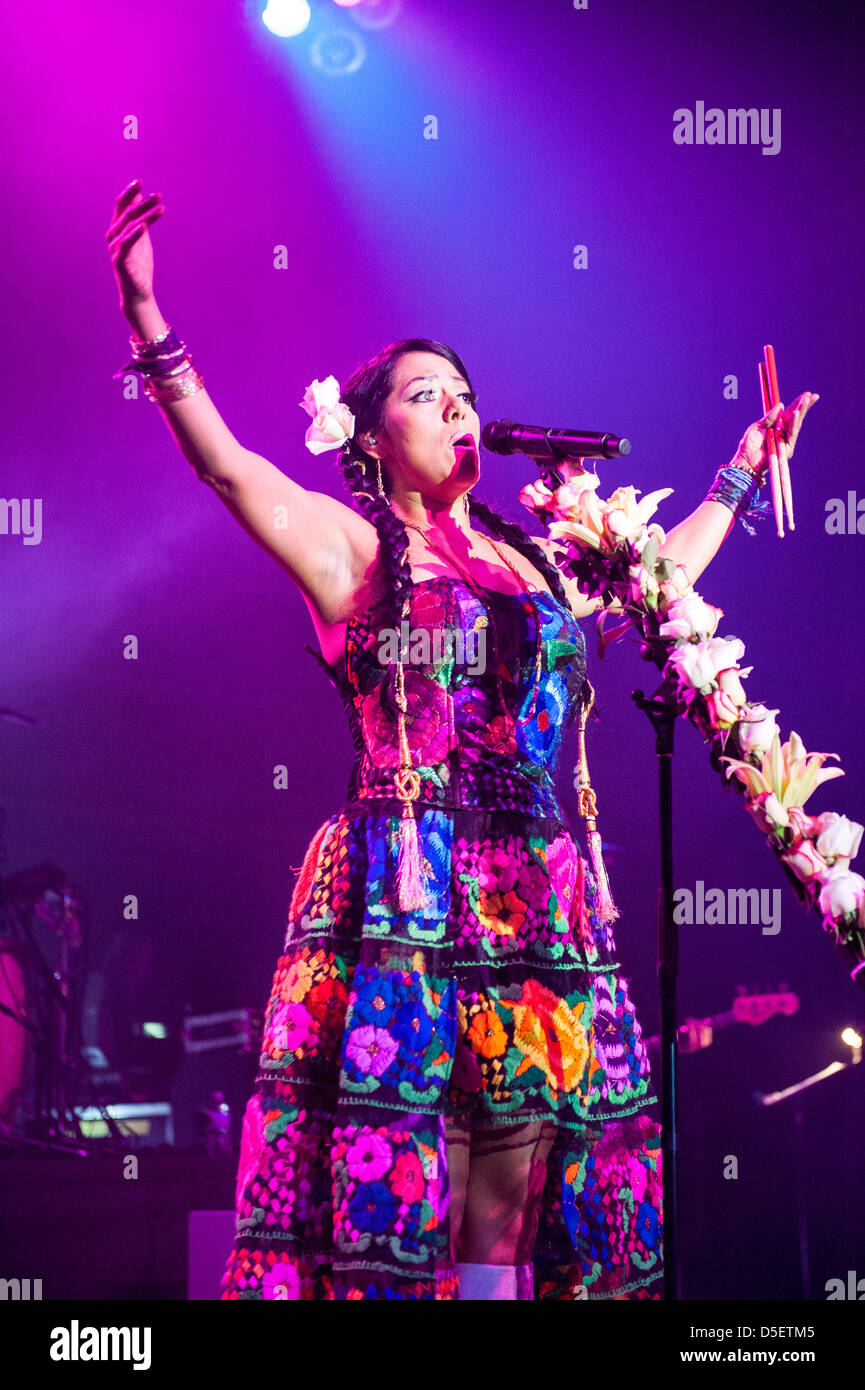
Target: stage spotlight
(376, 14)
(346, 4)
(852, 1039)
(337, 52)
(286, 18)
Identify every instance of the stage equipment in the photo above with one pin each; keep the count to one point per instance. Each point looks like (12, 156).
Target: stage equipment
(216, 1078)
(40, 939)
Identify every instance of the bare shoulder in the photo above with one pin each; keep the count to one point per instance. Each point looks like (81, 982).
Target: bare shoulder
(324, 545)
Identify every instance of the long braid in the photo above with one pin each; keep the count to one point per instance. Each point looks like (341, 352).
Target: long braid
(392, 535)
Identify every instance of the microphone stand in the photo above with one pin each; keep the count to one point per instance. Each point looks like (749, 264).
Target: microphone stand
(661, 712)
(661, 709)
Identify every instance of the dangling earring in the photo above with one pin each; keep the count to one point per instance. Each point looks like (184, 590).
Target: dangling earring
(381, 491)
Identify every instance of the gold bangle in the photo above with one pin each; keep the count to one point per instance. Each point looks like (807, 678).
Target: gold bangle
(186, 385)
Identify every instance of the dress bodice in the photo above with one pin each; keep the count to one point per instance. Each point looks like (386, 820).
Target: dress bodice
(470, 662)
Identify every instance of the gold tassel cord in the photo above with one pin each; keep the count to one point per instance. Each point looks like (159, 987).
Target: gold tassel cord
(412, 871)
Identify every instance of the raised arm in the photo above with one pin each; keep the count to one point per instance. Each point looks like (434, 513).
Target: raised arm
(694, 542)
(324, 545)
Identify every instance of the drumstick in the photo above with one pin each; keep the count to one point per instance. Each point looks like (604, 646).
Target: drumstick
(774, 470)
(783, 466)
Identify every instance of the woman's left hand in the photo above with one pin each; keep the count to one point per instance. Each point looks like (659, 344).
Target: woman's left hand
(752, 452)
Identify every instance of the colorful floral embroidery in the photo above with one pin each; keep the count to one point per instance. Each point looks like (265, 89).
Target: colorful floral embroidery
(502, 1001)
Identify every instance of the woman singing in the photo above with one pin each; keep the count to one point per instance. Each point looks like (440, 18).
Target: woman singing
(453, 1097)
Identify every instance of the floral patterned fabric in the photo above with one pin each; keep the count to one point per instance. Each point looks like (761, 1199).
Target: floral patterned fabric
(502, 1002)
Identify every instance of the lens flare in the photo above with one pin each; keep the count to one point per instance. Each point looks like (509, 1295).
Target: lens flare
(286, 18)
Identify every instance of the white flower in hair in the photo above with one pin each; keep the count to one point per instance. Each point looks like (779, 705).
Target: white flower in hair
(332, 421)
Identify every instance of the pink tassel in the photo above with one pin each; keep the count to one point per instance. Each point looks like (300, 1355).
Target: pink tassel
(410, 878)
(606, 908)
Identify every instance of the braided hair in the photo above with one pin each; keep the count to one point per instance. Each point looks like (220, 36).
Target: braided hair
(365, 393)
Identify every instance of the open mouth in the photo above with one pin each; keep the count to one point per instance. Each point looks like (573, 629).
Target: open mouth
(465, 441)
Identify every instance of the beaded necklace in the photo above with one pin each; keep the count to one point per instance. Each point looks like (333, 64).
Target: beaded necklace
(413, 870)
(484, 622)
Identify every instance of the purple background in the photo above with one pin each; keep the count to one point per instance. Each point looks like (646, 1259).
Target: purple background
(155, 776)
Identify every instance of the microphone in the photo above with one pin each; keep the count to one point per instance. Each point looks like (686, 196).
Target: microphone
(547, 446)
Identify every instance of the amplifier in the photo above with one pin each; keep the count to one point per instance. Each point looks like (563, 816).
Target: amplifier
(145, 1124)
(220, 1058)
(237, 1028)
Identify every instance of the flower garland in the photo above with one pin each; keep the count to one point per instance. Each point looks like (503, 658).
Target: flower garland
(612, 553)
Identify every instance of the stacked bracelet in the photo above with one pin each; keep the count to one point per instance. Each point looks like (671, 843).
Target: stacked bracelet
(166, 367)
(738, 489)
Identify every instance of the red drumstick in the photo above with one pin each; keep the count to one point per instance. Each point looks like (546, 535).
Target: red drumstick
(783, 467)
(774, 469)
(772, 372)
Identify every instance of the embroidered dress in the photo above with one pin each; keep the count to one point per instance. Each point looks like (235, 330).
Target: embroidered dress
(501, 1001)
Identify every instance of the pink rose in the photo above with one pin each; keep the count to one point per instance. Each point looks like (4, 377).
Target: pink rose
(675, 587)
(721, 709)
(728, 681)
(838, 837)
(756, 729)
(804, 860)
(537, 497)
(842, 892)
(691, 617)
(697, 663)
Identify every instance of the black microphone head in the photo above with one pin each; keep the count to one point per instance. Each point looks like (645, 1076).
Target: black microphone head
(495, 436)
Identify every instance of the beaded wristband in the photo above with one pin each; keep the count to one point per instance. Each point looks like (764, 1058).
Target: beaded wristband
(167, 369)
(154, 357)
(738, 489)
(163, 366)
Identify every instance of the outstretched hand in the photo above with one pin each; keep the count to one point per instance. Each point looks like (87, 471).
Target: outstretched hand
(752, 452)
(129, 244)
